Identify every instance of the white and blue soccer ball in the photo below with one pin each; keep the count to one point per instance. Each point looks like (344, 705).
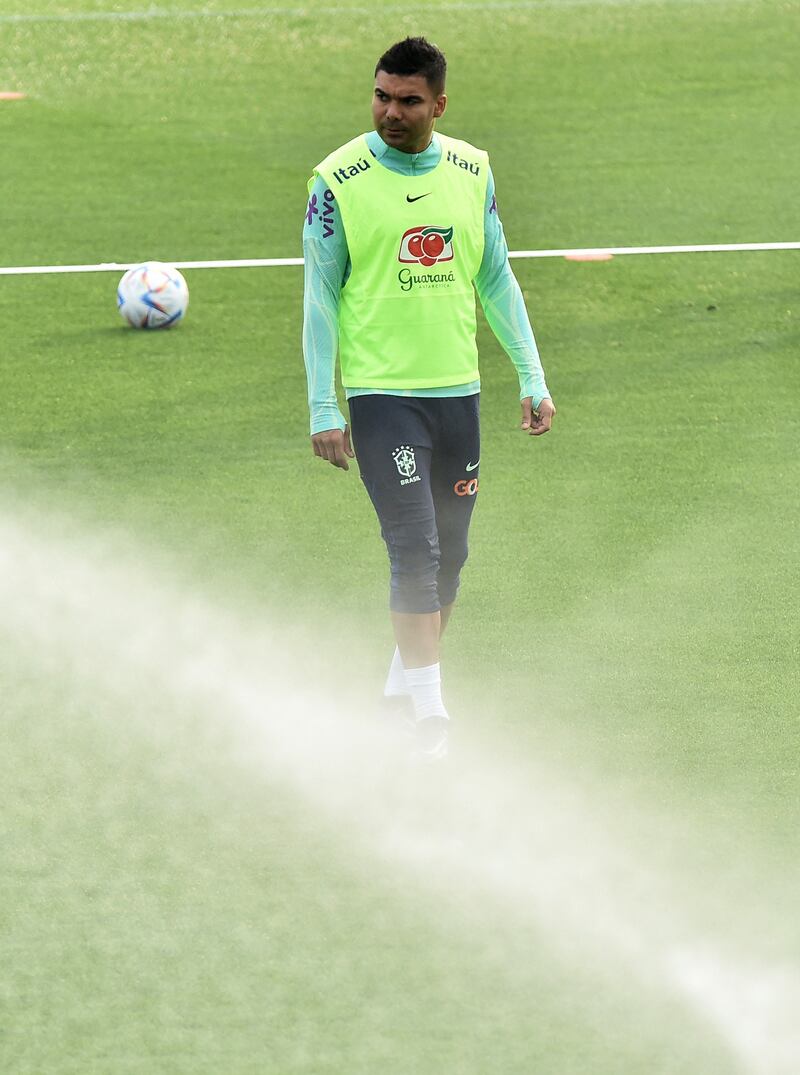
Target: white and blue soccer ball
(152, 295)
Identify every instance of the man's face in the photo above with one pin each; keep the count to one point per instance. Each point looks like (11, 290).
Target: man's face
(403, 110)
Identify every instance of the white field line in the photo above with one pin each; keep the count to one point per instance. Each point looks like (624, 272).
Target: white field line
(245, 263)
(288, 10)
(615, 251)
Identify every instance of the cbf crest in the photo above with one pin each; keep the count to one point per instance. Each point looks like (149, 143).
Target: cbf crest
(406, 464)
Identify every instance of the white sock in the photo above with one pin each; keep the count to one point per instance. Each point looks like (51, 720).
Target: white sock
(425, 687)
(396, 685)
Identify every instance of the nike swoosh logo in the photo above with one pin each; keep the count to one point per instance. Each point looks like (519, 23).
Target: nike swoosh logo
(410, 199)
(472, 466)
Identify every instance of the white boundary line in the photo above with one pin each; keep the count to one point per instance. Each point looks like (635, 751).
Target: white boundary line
(588, 254)
(113, 266)
(614, 251)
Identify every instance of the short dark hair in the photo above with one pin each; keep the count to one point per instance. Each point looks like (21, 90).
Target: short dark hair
(416, 56)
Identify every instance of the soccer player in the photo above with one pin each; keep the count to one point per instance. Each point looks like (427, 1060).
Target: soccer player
(401, 229)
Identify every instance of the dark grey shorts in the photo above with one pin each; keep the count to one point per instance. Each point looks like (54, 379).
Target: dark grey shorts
(419, 459)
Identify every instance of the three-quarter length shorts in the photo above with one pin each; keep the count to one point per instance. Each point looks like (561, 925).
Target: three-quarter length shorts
(418, 458)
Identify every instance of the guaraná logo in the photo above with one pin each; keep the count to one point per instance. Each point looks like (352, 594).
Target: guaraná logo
(426, 246)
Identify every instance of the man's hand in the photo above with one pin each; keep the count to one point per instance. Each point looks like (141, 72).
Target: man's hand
(536, 422)
(333, 445)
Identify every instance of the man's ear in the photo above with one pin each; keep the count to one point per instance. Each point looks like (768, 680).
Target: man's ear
(441, 105)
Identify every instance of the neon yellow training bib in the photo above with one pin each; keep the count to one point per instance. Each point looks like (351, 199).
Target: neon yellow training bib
(407, 311)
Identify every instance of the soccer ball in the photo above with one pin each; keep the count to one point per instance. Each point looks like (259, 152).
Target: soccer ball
(152, 295)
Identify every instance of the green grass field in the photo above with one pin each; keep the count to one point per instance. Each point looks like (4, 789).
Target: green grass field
(605, 881)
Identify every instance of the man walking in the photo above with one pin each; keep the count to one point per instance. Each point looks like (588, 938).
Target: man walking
(401, 230)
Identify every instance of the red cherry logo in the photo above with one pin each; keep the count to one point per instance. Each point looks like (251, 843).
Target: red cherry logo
(433, 245)
(415, 246)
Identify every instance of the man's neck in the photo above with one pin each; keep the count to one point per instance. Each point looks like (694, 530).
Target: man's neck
(405, 163)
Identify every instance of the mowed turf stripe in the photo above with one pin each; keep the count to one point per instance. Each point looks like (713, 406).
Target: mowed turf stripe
(526, 842)
(292, 11)
(577, 254)
(97, 16)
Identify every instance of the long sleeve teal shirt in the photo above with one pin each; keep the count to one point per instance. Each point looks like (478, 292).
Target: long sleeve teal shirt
(327, 267)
